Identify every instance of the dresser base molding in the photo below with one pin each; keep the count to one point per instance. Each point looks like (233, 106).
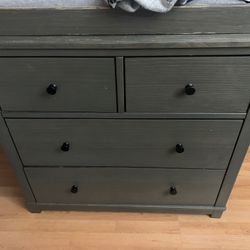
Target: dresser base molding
(214, 212)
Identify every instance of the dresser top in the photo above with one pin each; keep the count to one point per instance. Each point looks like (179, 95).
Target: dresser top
(94, 4)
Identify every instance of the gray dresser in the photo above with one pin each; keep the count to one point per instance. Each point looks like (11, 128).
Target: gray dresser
(125, 123)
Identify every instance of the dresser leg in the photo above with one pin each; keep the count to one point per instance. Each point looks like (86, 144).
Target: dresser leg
(33, 208)
(217, 214)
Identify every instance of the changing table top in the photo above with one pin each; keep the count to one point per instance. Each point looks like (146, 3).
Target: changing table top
(91, 4)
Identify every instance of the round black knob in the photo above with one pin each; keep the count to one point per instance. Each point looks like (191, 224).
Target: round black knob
(65, 147)
(74, 189)
(52, 89)
(173, 191)
(190, 89)
(179, 148)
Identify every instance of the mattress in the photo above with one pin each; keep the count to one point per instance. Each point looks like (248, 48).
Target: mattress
(92, 4)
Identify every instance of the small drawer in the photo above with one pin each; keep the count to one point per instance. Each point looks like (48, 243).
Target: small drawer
(125, 186)
(58, 84)
(187, 84)
(125, 143)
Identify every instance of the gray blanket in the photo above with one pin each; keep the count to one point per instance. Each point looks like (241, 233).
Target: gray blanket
(158, 5)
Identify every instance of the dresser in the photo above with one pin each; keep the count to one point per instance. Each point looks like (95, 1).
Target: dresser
(155, 123)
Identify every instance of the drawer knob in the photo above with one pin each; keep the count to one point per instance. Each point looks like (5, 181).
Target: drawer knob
(179, 148)
(173, 191)
(52, 89)
(74, 189)
(190, 89)
(65, 147)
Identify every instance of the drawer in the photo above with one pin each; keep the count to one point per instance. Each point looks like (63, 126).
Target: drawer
(187, 84)
(125, 143)
(58, 84)
(124, 186)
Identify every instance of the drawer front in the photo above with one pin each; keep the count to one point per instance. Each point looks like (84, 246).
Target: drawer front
(188, 84)
(125, 186)
(82, 84)
(125, 143)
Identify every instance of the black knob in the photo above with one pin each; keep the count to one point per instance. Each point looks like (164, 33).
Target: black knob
(173, 191)
(52, 89)
(179, 148)
(190, 89)
(65, 147)
(74, 189)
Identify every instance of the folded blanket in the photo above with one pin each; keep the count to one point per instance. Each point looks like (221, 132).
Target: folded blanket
(153, 5)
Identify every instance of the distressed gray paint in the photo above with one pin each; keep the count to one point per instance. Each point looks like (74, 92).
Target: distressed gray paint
(158, 84)
(209, 32)
(127, 42)
(84, 84)
(125, 115)
(211, 210)
(122, 143)
(125, 186)
(187, 20)
(203, 50)
(235, 163)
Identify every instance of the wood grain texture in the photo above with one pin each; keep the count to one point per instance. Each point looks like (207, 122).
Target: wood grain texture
(158, 84)
(126, 42)
(20, 229)
(198, 20)
(125, 143)
(125, 186)
(77, 115)
(84, 84)
(203, 51)
(239, 153)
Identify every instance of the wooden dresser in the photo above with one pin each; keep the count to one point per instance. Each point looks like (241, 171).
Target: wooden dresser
(125, 123)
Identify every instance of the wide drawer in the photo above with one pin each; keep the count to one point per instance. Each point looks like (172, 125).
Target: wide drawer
(128, 143)
(124, 186)
(58, 84)
(187, 84)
